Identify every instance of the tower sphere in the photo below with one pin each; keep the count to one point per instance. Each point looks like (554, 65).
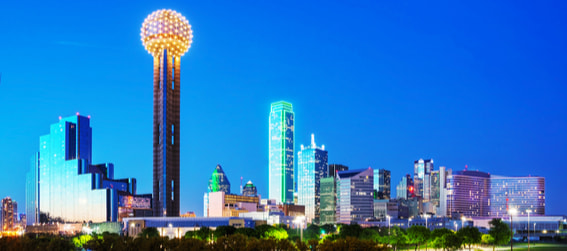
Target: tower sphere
(166, 29)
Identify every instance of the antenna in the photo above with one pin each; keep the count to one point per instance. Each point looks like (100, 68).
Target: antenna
(241, 185)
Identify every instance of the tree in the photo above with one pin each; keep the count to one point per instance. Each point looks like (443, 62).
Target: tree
(312, 232)
(499, 231)
(369, 234)
(352, 230)
(248, 232)
(149, 232)
(397, 237)
(204, 233)
(224, 231)
(418, 235)
(328, 228)
(487, 239)
(470, 235)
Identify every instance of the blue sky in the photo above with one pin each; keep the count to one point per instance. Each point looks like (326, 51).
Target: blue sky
(380, 83)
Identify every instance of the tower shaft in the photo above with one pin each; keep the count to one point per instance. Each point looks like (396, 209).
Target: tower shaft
(166, 135)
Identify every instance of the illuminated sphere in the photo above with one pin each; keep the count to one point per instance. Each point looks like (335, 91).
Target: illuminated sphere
(166, 29)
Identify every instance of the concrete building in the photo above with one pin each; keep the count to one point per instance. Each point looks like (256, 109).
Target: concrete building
(230, 205)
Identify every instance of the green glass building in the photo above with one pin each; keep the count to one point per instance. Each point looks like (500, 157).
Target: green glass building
(281, 152)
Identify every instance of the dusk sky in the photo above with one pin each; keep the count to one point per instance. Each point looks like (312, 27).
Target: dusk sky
(379, 83)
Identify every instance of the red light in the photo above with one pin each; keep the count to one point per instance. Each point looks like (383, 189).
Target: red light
(77, 113)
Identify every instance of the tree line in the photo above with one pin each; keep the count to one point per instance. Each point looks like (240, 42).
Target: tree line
(279, 237)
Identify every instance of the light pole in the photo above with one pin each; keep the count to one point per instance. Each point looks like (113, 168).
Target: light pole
(511, 212)
(463, 219)
(388, 216)
(299, 221)
(528, 211)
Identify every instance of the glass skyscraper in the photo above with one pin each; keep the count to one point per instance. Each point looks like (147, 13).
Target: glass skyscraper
(382, 184)
(354, 195)
(219, 181)
(281, 152)
(421, 178)
(328, 201)
(312, 166)
(405, 189)
(64, 186)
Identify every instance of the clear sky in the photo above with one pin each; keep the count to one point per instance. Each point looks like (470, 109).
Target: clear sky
(380, 83)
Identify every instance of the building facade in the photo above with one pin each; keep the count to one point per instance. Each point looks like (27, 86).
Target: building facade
(334, 168)
(219, 181)
(468, 193)
(521, 193)
(405, 188)
(7, 214)
(382, 184)
(222, 204)
(355, 200)
(249, 189)
(421, 178)
(312, 166)
(64, 186)
(281, 152)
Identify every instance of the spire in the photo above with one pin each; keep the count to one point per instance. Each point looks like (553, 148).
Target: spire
(312, 140)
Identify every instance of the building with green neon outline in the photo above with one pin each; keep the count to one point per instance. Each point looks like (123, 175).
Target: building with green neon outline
(281, 152)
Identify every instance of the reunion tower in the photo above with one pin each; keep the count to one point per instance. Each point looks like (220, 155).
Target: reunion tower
(166, 35)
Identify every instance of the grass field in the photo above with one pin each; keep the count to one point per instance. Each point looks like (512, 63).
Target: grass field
(517, 247)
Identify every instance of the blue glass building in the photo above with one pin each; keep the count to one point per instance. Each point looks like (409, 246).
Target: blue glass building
(281, 152)
(64, 186)
(312, 166)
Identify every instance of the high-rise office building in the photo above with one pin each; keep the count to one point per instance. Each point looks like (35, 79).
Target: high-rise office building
(355, 200)
(219, 181)
(281, 152)
(382, 184)
(166, 35)
(468, 193)
(328, 201)
(334, 168)
(32, 190)
(521, 193)
(249, 189)
(312, 166)
(421, 179)
(405, 189)
(7, 214)
(64, 186)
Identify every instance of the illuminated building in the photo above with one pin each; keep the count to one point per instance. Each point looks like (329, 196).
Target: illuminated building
(328, 201)
(405, 188)
(521, 193)
(166, 35)
(219, 181)
(421, 178)
(222, 204)
(467, 193)
(311, 167)
(249, 189)
(64, 186)
(7, 214)
(355, 200)
(281, 152)
(334, 168)
(382, 184)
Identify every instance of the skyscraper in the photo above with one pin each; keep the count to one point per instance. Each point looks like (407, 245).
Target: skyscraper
(166, 35)
(219, 181)
(521, 193)
(281, 152)
(311, 167)
(382, 184)
(468, 193)
(249, 189)
(64, 186)
(405, 189)
(334, 168)
(7, 214)
(328, 201)
(354, 195)
(421, 178)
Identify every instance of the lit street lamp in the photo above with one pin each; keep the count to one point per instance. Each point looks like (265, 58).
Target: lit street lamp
(463, 219)
(528, 211)
(511, 212)
(299, 221)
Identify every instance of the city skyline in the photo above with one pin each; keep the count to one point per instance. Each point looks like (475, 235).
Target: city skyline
(486, 94)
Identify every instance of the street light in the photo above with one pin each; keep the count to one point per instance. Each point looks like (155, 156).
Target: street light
(388, 216)
(463, 219)
(299, 221)
(511, 212)
(528, 211)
